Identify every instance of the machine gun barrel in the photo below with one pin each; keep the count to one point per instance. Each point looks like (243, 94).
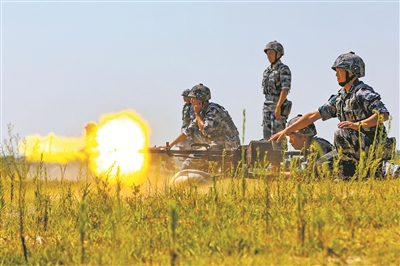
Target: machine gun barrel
(203, 152)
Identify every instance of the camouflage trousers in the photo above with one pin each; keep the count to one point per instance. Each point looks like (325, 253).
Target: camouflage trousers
(353, 143)
(271, 125)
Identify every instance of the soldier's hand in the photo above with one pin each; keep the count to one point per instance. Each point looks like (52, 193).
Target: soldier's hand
(164, 147)
(278, 136)
(197, 107)
(348, 124)
(278, 113)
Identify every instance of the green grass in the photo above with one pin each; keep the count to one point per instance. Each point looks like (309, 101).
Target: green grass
(267, 221)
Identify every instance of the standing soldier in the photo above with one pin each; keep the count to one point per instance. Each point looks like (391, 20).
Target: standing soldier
(360, 112)
(187, 118)
(276, 86)
(212, 124)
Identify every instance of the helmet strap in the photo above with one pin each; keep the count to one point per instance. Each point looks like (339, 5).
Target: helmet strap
(276, 58)
(348, 79)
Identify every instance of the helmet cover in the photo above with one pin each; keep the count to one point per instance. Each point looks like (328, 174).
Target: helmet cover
(200, 92)
(351, 63)
(185, 92)
(309, 130)
(276, 46)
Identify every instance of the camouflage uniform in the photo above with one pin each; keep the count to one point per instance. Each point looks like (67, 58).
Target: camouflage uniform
(322, 147)
(357, 104)
(274, 79)
(219, 129)
(187, 116)
(319, 148)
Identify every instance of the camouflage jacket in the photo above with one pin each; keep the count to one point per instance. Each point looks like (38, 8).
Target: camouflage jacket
(274, 79)
(359, 103)
(318, 146)
(187, 115)
(321, 146)
(218, 126)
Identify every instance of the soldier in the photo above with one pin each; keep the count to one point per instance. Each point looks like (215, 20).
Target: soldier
(360, 112)
(276, 86)
(212, 124)
(187, 118)
(306, 137)
(307, 142)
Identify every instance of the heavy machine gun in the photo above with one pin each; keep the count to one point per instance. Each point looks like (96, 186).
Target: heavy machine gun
(254, 153)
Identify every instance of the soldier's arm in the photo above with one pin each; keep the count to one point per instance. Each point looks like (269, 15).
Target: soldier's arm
(304, 121)
(180, 138)
(184, 134)
(371, 102)
(197, 109)
(282, 98)
(286, 80)
(366, 123)
(376, 106)
(373, 120)
(200, 122)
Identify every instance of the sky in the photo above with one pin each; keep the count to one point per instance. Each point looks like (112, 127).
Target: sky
(66, 63)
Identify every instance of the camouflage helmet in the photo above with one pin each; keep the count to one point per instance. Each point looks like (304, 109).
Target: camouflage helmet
(351, 63)
(309, 130)
(185, 92)
(200, 92)
(274, 45)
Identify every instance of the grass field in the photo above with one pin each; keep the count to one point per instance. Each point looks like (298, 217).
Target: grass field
(235, 221)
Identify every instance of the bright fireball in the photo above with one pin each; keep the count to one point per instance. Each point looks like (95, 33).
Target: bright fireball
(114, 148)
